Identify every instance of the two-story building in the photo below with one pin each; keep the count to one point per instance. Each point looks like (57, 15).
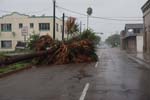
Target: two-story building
(146, 18)
(14, 25)
(132, 38)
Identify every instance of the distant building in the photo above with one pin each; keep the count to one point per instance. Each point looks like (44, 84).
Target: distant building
(146, 17)
(132, 38)
(122, 40)
(13, 25)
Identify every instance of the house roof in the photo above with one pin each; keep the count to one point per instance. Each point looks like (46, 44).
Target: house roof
(146, 6)
(131, 26)
(33, 16)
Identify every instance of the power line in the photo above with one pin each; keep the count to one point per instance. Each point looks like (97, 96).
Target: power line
(6, 11)
(126, 17)
(103, 18)
(114, 19)
(46, 9)
(71, 11)
(120, 17)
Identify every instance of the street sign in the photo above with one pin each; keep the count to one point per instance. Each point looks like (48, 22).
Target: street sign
(24, 31)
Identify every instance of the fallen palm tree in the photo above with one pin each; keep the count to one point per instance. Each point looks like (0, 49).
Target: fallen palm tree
(75, 50)
(47, 51)
(6, 60)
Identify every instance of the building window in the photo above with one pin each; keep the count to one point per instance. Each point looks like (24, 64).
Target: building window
(31, 25)
(20, 25)
(57, 27)
(6, 44)
(6, 27)
(44, 26)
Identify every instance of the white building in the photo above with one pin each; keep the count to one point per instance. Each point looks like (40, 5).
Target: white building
(11, 27)
(132, 38)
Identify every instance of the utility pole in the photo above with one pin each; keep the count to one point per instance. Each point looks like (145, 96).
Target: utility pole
(80, 27)
(63, 26)
(87, 22)
(89, 13)
(54, 18)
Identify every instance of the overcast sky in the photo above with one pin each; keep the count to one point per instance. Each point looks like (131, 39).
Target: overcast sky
(116, 9)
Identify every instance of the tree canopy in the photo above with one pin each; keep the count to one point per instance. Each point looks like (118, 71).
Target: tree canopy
(113, 40)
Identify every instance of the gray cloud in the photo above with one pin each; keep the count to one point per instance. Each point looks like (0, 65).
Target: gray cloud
(103, 8)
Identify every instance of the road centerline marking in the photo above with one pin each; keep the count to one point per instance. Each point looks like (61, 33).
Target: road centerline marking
(96, 65)
(99, 56)
(82, 97)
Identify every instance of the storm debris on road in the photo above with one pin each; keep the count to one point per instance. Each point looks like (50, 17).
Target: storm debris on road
(78, 49)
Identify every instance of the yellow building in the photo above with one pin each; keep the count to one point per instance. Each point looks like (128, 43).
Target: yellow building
(13, 25)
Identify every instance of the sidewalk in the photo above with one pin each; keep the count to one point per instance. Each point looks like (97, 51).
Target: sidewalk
(142, 57)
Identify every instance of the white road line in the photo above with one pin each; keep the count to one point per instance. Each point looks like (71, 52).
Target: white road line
(96, 65)
(99, 56)
(82, 97)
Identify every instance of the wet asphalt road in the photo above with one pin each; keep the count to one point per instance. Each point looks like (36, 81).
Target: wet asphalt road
(114, 77)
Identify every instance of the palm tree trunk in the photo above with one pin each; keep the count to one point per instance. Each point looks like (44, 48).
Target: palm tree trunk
(15, 59)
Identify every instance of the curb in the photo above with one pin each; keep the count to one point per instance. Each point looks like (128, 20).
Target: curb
(142, 60)
(15, 71)
(139, 61)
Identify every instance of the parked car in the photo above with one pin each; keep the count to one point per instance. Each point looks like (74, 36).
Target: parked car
(21, 45)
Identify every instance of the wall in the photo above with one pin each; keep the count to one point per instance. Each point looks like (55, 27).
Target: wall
(131, 44)
(122, 44)
(147, 31)
(16, 18)
(139, 40)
